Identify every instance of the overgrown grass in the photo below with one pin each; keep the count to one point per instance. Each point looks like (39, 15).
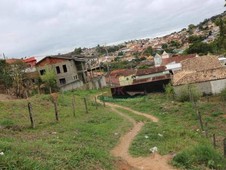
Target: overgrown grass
(80, 142)
(201, 156)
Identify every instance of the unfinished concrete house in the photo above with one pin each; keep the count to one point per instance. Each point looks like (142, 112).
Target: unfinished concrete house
(206, 73)
(71, 70)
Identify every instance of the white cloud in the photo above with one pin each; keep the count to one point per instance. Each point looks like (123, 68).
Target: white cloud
(52, 26)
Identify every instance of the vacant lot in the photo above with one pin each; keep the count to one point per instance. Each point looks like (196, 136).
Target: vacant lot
(82, 141)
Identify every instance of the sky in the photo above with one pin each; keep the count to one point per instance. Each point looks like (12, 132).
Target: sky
(48, 27)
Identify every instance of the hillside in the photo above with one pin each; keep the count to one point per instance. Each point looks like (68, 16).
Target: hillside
(100, 138)
(206, 37)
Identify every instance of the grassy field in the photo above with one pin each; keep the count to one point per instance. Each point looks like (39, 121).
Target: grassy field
(178, 131)
(80, 142)
(84, 141)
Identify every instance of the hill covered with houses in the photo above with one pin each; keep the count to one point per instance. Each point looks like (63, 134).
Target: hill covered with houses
(139, 66)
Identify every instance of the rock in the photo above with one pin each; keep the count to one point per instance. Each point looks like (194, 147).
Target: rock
(146, 136)
(160, 135)
(154, 149)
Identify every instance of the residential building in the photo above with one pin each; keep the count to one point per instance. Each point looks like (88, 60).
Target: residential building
(71, 70)
(206, 73)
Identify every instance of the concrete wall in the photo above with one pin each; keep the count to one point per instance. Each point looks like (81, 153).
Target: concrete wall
(75, 85)
(70, 76)
(210, 87)
(218, 85)
(126, 80)
(96, 83)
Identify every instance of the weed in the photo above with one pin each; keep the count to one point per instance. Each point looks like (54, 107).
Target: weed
(7, 123)
(217, 113)
(200, 155)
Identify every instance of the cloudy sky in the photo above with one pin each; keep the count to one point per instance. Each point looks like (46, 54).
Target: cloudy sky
(44, 27)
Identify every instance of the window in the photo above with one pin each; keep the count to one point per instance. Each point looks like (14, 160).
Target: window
(65, 68)
(62, 81)
(58, 69)
(42, 72)
(76, 77)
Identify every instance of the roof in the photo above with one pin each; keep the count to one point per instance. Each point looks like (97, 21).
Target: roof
(69, 56)
(27, 60)
(122, 72)
(186, 77)
(201, 63)
(152, 79)
(13, 60)
(176, 59)
(199, 69)
(147, 71)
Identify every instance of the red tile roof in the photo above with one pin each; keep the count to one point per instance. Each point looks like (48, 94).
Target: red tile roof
(176, 59)
(150, 70)
(31, 59)
(122, 72)
(12, 60)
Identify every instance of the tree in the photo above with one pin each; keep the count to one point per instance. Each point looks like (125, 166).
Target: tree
(175, 44)
(195, 38)
(199, 47)
(148, 51)
(49, 78)
(5, 78)
(164, 46)
(78, 50)
(191, 28)
(17, 74)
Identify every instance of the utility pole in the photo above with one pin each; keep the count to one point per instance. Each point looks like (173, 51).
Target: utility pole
(108, 70)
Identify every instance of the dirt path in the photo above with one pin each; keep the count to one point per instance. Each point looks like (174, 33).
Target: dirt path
(153, 162)
(4, 97)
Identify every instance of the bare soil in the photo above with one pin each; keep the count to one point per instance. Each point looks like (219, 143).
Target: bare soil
(4, 97)
(121, 151)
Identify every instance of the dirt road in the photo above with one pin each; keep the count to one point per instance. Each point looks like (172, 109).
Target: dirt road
(153, 162)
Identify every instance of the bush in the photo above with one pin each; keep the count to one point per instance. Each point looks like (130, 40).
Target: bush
(188, 93)
(169, 91)
(223, 94)
(198, 156)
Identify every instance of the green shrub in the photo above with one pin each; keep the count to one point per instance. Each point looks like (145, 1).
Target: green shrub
(223, 94)
(188, 93)
(169, 91)
(217, 113)
(7, 123)
(198, 156)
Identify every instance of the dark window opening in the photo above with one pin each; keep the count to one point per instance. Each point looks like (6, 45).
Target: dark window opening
(42, 72)
(65, 68)
(58, 69)
(62, 81)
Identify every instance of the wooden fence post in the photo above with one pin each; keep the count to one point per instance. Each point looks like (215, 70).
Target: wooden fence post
(206, 129)
(200, 120)
(214, 141)
(30, 115)
(73, 105)
(96, 102)
(224, 147)
(103, 101)
(85, 105)
(56, 110)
